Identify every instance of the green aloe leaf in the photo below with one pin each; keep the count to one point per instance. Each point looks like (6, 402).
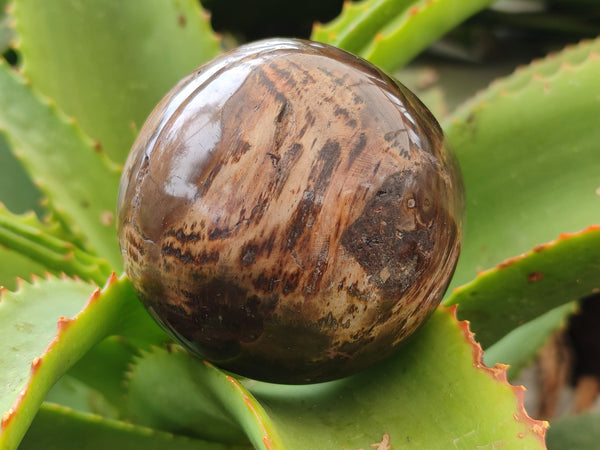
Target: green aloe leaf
(527, 286)
(188, 406)
(17, 192)
(389, 33)
(572, 55)
(72, 393)
(26, 235)
(15, 266)
(56, 427)
(107, 63)
(45, 327)
(103, 371)
(529, 155)
(435, 393)
(54, 151)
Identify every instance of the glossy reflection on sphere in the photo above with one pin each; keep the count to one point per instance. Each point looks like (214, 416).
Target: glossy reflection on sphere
(290, 213)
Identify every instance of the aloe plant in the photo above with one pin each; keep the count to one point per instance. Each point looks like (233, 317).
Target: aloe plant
(81, 362)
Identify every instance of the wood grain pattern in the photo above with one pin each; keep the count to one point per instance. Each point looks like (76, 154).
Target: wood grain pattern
(290, 213)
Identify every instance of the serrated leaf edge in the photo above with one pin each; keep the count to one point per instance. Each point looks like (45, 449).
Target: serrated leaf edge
(501, 88)
(26, 235)
(523, 256)
(270, 440)
(31, 402)
(71, 227)
(61, 325)
(499, 372)
(115, 424)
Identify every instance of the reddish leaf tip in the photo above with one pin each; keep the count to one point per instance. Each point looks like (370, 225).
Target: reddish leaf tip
(94, 297)
(63, 323)
(20, 282)
(112, 279)
(35, 364)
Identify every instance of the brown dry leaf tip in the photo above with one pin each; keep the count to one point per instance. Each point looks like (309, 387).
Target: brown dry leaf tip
(499, 374)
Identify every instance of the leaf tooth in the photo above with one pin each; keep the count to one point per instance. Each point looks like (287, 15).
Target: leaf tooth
(107, 170)
(6, 418)
(21, 283)
(572, 57)
(524, 256)
(499, 374)
(136, 360)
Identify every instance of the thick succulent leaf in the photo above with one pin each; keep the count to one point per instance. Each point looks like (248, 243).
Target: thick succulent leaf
(17, 191)
(74, 394)
(578, 432)
(435, 393)
(14, 266)
(18, 194)
(45, 327)
(78, 181)
(519, 347)
(204, 402)
(105, 367)
(529, 155)
(389, 33)
(108, 63)
(26, 235)
(525, 287)
(59, 428)
(96, 383)
(521, 77)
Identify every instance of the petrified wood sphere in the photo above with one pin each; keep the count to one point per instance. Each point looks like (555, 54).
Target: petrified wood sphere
(290, 212)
